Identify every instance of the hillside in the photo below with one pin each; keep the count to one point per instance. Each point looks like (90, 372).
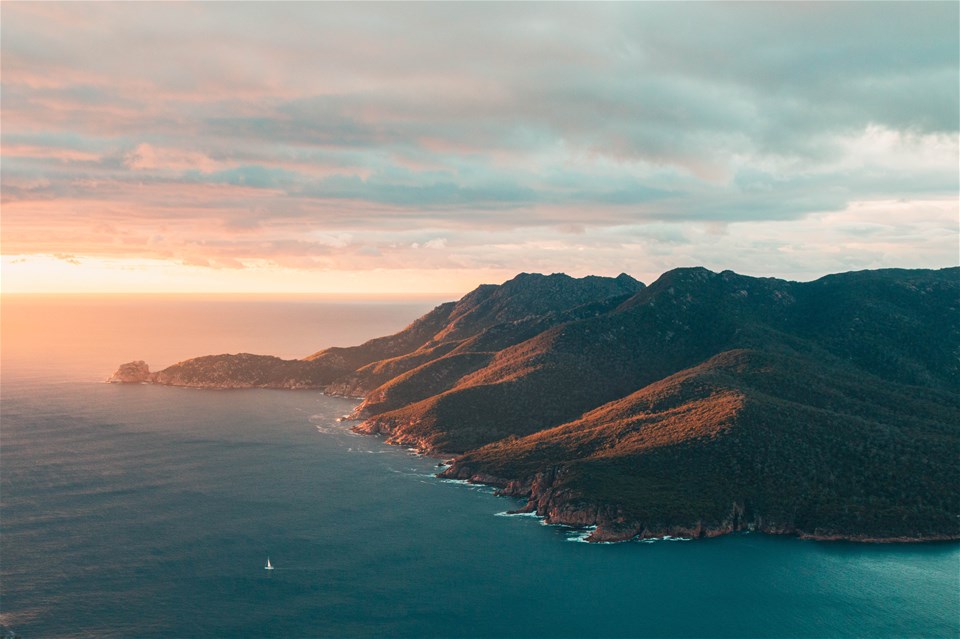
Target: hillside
(901, 331)
(510, 313)
(702, 404)
(746, 440)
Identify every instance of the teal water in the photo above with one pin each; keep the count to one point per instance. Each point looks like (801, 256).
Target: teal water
(142, 511)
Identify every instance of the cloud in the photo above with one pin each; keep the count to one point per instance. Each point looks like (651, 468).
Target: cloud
(146, 157)
(66, 257)
(331, 136)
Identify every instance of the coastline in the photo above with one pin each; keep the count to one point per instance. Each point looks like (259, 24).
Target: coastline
(602, 523)
(609, 525)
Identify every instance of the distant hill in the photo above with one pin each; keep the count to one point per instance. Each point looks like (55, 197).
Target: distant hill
(702, 404)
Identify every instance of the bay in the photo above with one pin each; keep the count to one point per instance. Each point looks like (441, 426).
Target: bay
(149, 511)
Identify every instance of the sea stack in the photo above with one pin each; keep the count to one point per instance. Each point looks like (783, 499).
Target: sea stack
(131, 373)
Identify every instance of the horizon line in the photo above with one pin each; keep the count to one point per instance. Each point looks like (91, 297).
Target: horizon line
(235, 295)
(414, 295)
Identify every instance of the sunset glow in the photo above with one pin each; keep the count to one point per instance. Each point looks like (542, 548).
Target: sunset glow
(421, 319)
(336, 148)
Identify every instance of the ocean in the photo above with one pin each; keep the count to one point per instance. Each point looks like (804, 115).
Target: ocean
(146, 511)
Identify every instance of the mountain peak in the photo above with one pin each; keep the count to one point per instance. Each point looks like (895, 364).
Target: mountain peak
(705, 403)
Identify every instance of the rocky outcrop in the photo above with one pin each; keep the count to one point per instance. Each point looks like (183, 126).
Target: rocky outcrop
(395, 436)
(132, 373)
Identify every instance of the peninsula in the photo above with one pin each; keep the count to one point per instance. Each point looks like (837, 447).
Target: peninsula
(702, 404)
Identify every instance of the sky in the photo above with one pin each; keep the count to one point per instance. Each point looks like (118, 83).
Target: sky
(428, 148)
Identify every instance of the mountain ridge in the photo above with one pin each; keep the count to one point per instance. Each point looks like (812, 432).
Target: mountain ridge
(702, 404)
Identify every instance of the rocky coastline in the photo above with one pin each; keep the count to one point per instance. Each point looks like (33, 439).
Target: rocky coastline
(701, 405)
(557, 506)
(610, 525)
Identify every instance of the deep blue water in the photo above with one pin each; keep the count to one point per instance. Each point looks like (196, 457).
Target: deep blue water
(141, 511)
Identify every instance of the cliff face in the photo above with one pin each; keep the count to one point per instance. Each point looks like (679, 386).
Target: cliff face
(702, 404)
(611, 523)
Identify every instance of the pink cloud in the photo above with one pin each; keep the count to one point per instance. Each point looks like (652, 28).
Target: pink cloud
(50, 153)
(149, 157)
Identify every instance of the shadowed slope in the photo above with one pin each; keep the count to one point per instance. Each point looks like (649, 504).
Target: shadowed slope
(474, 317)
(760, 440)
(684, 318)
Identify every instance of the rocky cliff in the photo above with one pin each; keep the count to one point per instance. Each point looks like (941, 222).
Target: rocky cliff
(132, 373)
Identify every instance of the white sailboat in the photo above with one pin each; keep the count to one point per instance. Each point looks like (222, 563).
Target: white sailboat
(269, 566)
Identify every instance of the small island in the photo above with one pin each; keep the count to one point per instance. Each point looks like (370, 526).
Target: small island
(132, 373)
(703, 404)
